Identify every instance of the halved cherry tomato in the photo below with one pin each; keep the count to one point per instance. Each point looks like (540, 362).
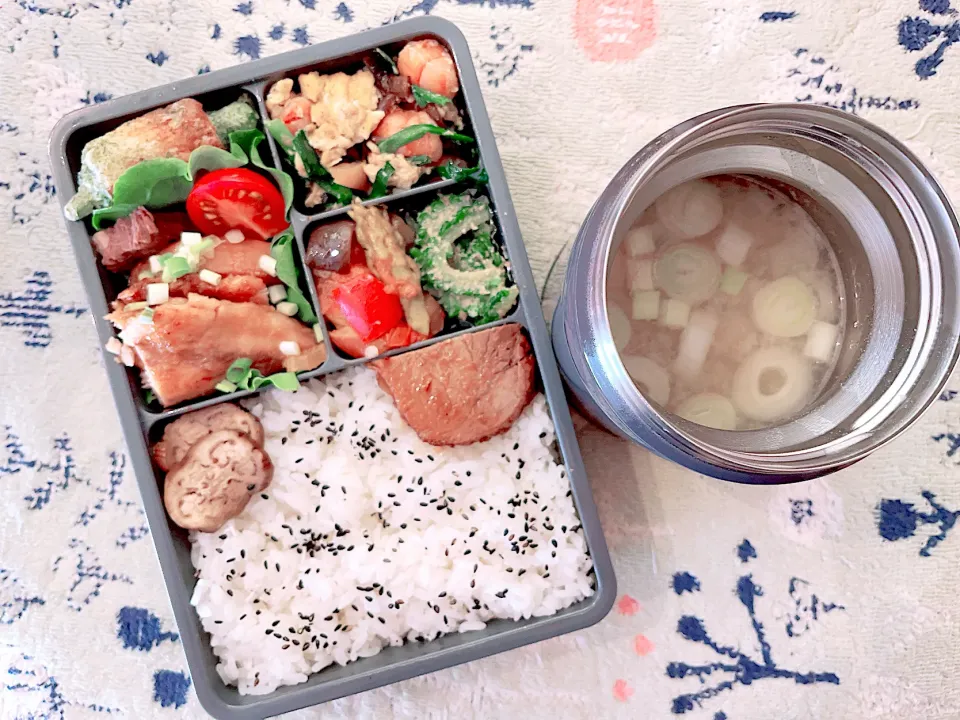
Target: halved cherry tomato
(236, 199)
(367, 306)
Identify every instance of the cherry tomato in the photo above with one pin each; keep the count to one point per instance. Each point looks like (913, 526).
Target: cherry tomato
(367, 306)
(236, 199)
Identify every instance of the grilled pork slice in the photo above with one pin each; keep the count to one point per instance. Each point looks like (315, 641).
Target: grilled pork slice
(189, 344)
(242, 278)
(463, 390)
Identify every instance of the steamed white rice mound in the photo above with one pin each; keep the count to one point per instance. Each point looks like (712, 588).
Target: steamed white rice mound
(368, 537)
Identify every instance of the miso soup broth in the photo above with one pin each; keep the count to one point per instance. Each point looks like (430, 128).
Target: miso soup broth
(726, 304)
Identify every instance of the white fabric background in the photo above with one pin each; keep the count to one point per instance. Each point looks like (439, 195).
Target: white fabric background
(568, 110)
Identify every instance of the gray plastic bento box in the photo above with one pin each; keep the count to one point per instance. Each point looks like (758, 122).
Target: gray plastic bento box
(141, 424)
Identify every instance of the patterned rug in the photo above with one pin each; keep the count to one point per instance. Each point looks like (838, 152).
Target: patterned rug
(831, 599)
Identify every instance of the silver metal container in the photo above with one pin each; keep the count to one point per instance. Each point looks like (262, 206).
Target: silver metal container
(895, 238)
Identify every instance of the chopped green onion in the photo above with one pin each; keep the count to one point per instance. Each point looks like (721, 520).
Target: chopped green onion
(687, 272)
(210, 277)
(145, 275)
(290, 348)
(239, 369)
(286, 381)
(710, 410)
(137, 305)
(785, 307)
(732, 281)
(646, 305)
(821, 341)
(175, 267)
(424, 97)
(157, 262)
(642, 277)
(415, 132)
(157, 293)
(202, 247)
(418, 159)
(189, 239)
(641, 241)
(277, 294)
(388, 60)
(318, 332)
(451, 171)
(225, 386)
(268, 265)
(315, 171)
(148, 396)
(380, 184)
(146, 315)
(674, 313)
(287, 308)
(340, 193)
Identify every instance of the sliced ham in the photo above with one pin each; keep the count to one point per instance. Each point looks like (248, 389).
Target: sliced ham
(463, 390)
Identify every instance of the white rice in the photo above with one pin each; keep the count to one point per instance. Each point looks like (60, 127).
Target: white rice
(368, 537)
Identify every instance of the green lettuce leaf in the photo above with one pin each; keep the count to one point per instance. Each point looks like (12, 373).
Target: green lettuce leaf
(165, 181)
(282, 252)
(242, 376)
(248, 141)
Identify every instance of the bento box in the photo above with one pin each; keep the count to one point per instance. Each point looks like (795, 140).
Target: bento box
(144, 419)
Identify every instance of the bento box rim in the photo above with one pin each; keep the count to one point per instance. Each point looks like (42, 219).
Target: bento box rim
(586, 613)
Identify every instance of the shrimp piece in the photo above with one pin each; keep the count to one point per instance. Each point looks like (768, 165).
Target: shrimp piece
(280, 92)
(344, 113)
(296, 114)
(428, 64)
(396, 120)
(351, 175)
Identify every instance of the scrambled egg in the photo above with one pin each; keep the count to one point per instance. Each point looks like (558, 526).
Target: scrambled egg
(315, 196)
(280, 92)
(405, 173)
(344, 112)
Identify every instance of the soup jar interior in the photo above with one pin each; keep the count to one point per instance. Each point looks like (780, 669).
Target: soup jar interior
(871, 256)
